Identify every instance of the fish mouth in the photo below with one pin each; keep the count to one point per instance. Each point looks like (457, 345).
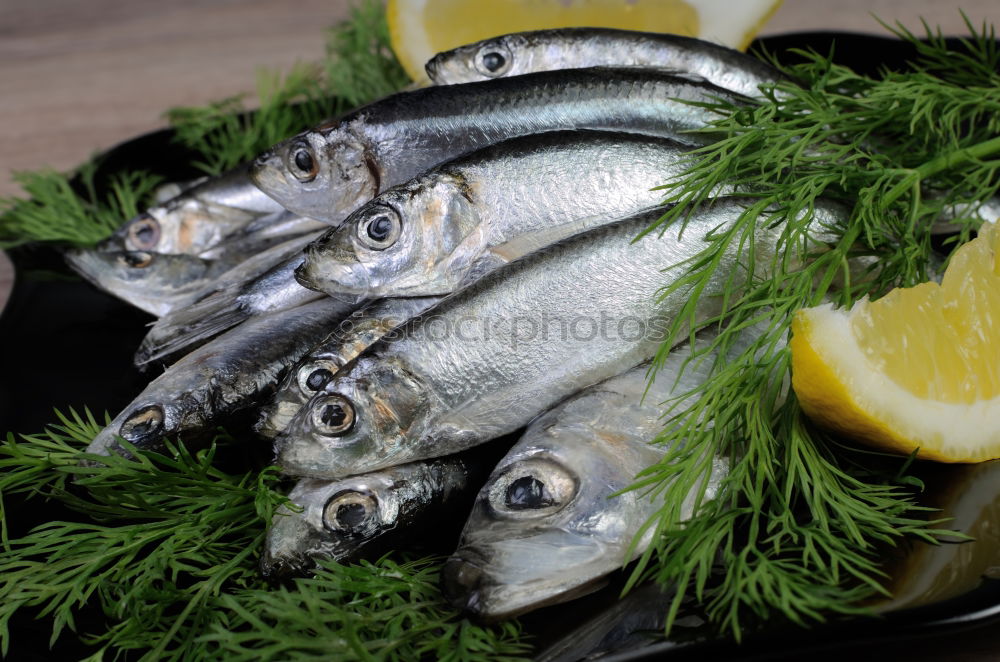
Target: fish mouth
(336, 280)
(266, 174)
(463, 580)
(522, 575)
(85, 263)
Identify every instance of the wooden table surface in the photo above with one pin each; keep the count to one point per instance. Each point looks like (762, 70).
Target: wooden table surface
(79, 77)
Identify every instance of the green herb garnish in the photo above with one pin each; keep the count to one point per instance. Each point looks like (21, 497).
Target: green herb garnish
(59, 212)
(168, 551)
(797, 532)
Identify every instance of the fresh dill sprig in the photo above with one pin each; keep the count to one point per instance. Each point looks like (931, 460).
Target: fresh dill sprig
(359, 67)
(167, 550)
(386, 610)
(796, 531)
(61, 208)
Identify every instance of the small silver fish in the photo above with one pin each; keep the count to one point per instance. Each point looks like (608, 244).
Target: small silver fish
(366, 515)
(328, 172)
(488, 359)
(154, 282)
(464, 218)
(199, 218)
(262, 284)
(572, 48)
(228, 374)
(546, 526)
(357, 333)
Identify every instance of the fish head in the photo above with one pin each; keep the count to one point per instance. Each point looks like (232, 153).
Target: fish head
(302, 382)
(484, 60)
(545, 527)
(330, 519)
(144, 425)
(322, 175)
(360, 422)
(146, 280)
(416, 239)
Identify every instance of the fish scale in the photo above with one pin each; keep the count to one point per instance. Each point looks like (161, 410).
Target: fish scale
(469, 215)
(418, 396)
(391, 140)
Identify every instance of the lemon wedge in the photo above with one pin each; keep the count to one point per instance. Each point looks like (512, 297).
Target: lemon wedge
(421, 28)
(917, 369)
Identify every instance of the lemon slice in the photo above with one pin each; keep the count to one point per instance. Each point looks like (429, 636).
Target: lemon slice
(917, 369)
(421, 28)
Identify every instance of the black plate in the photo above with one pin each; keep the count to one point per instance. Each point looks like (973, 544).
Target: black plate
(64, 344)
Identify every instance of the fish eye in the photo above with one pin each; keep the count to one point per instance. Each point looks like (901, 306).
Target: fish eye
(142, 424)
(333, 416)
(302, 162)
(136, 259)
(314, 376)
(144, 232)
(380, 228)
(527, 492)
(531, 488)
(493, 60)
(348, 511)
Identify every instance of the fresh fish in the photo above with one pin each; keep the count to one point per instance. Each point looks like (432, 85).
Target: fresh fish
(368, 515)
(573, 48)
(547, 526)
(262, 284)
(330, 171)
(154, 282)
(987, 211)
(485, 361)
(357, 333)
(228, 374)
(199, 218)
(464, 218)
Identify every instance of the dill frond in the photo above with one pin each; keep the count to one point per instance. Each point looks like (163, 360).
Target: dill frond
(167, 549)
(796, 530)
(68, 208)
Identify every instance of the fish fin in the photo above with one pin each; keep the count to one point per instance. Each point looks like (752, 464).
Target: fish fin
(189, 327)
(526, 244)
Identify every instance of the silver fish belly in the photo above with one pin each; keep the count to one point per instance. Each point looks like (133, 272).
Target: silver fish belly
(227, 374)
(547, 526)
(355, 334)
(327, 172)
(572, 48)
(366, 515)
(488, 359)
(463, 218)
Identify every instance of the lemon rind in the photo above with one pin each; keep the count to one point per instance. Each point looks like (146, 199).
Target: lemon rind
(838, 386)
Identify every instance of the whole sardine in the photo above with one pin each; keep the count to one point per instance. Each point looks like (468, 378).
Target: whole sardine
(357, 333)
(547, 526)
(483, 363)
(466, 217)
(572, 48)
(228, 374)
(199, 218)
(328, 172)
(262, 284)
(368, 515)
(154, 282)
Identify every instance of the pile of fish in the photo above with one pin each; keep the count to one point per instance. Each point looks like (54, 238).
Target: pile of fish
(395, 289)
